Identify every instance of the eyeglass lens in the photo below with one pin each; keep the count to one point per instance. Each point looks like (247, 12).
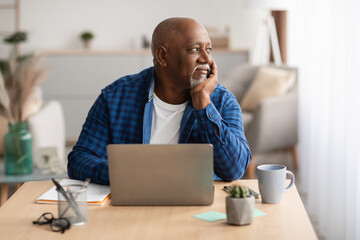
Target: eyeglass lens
(56, 224)
(44, 218)
(60, 225)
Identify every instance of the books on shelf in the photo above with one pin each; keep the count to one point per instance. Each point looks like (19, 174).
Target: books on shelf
(95, 195)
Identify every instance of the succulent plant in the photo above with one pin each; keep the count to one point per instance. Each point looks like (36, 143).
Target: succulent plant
(239, 191)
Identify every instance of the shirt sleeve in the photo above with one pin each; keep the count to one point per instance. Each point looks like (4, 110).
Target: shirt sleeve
(88, 159)
(231, 151)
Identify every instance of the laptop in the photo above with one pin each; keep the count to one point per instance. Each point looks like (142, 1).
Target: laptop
(161, 175)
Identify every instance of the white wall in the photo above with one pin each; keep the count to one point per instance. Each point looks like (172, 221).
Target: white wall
(54, 24)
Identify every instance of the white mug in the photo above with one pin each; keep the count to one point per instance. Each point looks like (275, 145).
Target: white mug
(272, 179)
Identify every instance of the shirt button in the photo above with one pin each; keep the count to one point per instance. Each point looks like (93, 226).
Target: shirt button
(223, 142)
(210, 115)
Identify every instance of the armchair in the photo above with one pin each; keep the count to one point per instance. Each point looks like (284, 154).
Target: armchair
(47, 127)
(272, 124)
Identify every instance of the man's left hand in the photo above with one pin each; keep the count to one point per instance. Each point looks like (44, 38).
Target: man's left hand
(200, 94)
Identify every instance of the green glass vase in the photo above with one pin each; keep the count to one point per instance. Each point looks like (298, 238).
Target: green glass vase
(18, 150)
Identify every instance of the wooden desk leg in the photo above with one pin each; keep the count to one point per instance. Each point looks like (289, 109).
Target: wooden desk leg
(4, 193)
(251, 168)
(294, 156)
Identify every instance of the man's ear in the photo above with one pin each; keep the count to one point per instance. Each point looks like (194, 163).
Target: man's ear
(161, 56)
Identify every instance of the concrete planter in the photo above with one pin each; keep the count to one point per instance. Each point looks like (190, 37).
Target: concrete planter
(240, 211)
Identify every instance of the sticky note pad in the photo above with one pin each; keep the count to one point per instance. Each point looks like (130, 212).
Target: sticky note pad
(211, 216)
(258, 213)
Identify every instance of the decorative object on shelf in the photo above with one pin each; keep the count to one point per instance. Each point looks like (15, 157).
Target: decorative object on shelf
(86, 37)
(20, 79)
(239, 205)
(16, 38)
(220, 38)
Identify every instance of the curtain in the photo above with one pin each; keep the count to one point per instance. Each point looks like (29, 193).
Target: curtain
(324, 43)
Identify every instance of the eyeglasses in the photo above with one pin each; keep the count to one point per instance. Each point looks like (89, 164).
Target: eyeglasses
(56, 224)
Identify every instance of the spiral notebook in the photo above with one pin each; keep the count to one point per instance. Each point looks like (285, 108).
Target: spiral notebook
(96, 194)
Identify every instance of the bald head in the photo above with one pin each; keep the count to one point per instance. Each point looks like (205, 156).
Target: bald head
(181, 48)
(168, 29)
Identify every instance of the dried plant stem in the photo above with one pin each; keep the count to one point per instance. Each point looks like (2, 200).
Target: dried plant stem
(4, 100)
(17, 86)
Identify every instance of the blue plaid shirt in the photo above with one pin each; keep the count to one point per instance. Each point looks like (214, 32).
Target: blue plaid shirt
(123, 114)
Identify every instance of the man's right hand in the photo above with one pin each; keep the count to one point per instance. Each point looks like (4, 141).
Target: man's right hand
(200, 94)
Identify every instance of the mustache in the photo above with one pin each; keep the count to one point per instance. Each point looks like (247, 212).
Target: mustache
(206, 66)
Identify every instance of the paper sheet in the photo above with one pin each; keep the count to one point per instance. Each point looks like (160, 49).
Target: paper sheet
(96, 194)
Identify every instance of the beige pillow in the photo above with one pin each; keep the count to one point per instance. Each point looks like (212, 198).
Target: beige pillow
(268, 82)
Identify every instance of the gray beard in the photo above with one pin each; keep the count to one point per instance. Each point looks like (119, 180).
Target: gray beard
(194, 82)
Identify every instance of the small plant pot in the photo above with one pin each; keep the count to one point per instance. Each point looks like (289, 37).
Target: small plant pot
(86, 44)
(240, 211)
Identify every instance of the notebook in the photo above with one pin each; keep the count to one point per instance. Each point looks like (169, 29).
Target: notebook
(162, 175)
(95, 195)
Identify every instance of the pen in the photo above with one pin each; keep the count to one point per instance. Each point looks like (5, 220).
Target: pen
(82, 187)
(71, 202)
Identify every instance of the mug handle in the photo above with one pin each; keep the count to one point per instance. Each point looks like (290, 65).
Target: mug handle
(292, 180)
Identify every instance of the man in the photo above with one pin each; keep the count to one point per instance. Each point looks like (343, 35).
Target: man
(176, 101)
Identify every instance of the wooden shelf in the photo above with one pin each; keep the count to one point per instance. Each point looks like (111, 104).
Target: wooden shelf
(7, 6)
(123, 51)
(5, 33)
(89, 52)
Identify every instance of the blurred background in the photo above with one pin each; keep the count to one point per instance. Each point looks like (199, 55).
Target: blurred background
(292, 65)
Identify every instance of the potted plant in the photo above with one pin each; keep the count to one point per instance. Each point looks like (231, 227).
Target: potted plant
(20, 79)
(86, 37)
(16, 37)
(239, 205)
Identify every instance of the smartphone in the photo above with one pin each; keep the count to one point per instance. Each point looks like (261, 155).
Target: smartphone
(208, 75)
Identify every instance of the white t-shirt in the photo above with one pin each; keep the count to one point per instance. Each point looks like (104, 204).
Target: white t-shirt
(166, 120)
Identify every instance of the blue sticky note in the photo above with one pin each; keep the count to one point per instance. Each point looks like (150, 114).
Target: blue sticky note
(258, 213)
(211, 216)
(216, 216)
